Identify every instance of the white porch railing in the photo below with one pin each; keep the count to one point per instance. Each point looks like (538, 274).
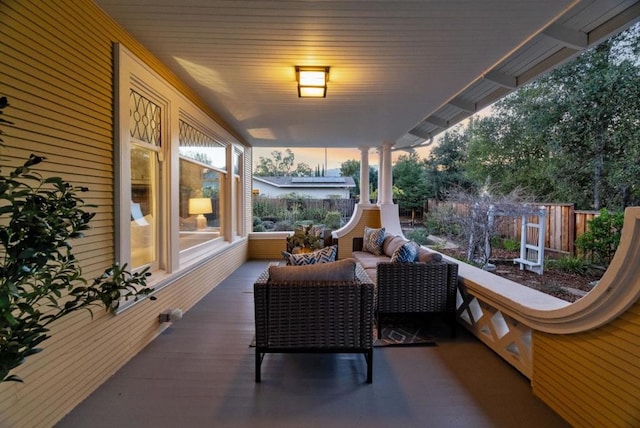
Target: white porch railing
(503, 314)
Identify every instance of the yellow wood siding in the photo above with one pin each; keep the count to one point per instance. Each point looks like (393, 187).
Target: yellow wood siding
(592, 378)
(267, 249)
(56, 69)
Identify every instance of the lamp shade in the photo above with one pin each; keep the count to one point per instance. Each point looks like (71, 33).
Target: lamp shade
(312, 81)
(200, 206)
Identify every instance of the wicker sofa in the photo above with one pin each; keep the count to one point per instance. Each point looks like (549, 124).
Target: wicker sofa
(426, 286)
(314, 309)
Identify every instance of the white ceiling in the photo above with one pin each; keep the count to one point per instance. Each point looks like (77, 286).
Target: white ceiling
(401, 70)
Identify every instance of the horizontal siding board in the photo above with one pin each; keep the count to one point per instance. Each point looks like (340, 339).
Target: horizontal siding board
(56, 65)
(592, 378)
(68, 92)
(70, 52)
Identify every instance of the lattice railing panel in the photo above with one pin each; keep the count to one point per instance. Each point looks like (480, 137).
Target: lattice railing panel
(505, 335)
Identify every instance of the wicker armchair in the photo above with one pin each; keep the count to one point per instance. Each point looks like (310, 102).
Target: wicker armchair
(415, 288)
(318, 317)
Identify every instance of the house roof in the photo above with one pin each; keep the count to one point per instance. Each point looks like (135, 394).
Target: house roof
(308, 182)
(401, 71)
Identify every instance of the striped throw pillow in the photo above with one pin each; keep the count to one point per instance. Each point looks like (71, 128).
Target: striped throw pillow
(324, 255)
(406, 253)
(372, 240)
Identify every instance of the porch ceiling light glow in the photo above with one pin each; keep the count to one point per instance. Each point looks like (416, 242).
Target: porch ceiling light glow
(312, 81)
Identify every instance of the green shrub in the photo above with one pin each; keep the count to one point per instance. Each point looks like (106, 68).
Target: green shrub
(315, 215)
(420, 235)
(333, 220)
(602, 239)
(257, 221)
(259, 228)
(283, 225)
(569, 264)
(505, 243)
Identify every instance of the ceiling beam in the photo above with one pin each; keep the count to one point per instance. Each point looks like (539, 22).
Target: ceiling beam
(463, 105)
(501, 79)
(440, 123)
(420, 133)
(568, 37)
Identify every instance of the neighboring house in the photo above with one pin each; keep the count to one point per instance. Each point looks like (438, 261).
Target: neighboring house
(314, 187)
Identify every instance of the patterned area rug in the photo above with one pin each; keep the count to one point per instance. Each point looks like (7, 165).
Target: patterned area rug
(400, 331)
(398, 336)
(403, 332)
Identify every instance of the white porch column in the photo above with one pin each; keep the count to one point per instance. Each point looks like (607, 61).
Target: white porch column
(380, 168)
(389, 212)
(364, 175)
(386, 181)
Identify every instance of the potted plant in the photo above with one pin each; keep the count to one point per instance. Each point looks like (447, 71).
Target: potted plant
(305, 239)
(40, 279)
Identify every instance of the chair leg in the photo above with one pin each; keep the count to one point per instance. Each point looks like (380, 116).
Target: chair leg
(369, 357)
(258, 364)
(378, 325)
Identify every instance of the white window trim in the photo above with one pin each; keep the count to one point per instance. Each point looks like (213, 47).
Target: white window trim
(131, 72)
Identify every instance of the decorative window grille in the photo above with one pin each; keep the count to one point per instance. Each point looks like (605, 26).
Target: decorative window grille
(144, 119)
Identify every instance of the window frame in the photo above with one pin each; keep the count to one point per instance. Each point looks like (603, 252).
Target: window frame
(132, 73)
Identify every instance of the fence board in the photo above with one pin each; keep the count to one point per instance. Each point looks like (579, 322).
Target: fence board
(564, 224)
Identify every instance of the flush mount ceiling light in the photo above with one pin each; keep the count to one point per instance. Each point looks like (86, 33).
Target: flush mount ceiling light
(312, 81)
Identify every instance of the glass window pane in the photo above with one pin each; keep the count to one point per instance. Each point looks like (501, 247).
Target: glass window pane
(202, 148)
(199, 208)
(144, 211)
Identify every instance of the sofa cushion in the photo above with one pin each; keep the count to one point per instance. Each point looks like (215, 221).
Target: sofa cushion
(368, 260)
(342, 270)
(426, 256)
(324, 255)
(391, 245)
(372, 240)
(405, 253)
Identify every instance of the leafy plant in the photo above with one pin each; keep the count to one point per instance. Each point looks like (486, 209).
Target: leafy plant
(306, 237)
(603, 236)
(333, 220)
(420, 235)
(40, 278)
(569, 264)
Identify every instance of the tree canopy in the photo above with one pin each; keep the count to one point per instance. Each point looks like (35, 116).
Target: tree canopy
(279, 165)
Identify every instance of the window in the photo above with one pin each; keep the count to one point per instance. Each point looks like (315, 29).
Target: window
(202, 178)
(178, 176)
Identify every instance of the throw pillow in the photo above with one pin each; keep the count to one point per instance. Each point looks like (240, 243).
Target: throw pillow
(373, 240)
(342, 270)
(324, 255)
(426, 256)
(405, 253)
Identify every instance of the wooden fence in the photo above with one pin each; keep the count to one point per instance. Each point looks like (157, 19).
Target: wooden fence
(564, 224)
(278, 205)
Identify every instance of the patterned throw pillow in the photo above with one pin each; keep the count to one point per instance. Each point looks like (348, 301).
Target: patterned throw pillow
(406, 253)
(324, 255)
(372, 240)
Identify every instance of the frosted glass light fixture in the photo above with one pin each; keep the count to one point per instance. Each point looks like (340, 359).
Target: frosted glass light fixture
(312, 81)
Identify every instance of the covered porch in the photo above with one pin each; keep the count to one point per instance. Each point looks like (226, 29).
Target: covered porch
(200, 372)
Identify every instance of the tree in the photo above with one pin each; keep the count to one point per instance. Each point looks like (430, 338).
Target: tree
(409, 177)
(572, 135)
(351, 168)
(446, 165)
(279, 165)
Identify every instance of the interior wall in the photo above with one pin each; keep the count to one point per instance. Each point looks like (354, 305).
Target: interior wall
(56, 69)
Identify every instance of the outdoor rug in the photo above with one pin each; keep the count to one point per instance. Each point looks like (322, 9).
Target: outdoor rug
(404, 331)
(400, 331)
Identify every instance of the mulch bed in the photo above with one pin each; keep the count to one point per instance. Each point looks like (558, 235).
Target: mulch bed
(563, 285)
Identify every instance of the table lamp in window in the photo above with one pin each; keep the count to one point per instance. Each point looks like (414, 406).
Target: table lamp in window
(199, 207)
